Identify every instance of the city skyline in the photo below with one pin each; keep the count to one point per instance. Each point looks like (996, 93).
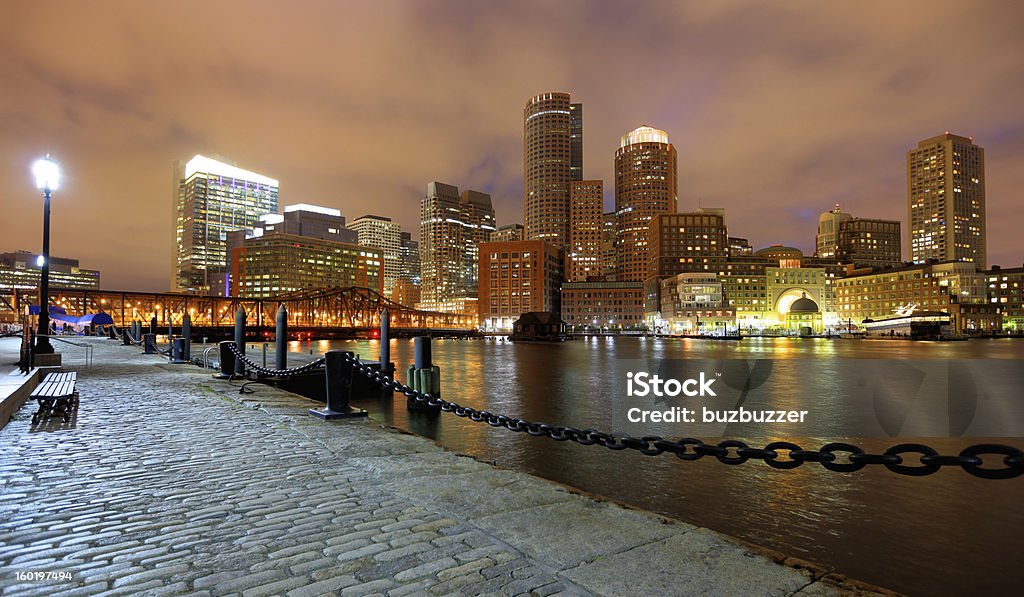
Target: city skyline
(772, 109)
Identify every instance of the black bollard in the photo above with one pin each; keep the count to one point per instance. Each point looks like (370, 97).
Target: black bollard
(186, 333)
(126, 337)
(385, 343)
(110, 332)
(338, 371)
(281, 349)
(149, 343)
(152, 325)
(178, 351)
(227, 361)
(240, 340)
(421, 352)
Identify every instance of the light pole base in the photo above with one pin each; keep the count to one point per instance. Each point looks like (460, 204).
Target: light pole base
(47, 359)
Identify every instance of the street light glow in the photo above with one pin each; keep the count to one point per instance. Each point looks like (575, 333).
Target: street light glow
(47, 174)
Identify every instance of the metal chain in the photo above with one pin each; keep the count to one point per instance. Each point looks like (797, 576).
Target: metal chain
(275, 372)
(840, 457)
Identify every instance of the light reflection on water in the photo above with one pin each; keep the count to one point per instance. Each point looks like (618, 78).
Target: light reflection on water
(947, 533)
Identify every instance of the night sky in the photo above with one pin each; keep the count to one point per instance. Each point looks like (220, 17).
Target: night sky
(778, 109)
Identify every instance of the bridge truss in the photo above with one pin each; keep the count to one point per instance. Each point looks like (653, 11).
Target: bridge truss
(350, 307)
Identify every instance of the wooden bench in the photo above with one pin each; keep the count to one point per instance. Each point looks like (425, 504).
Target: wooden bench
(55, 393)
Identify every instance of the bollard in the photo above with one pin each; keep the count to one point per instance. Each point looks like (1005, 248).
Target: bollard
(178, 351)
(186, 333)
(281, 349)
(338, 374)
(125, 338)
(149, 343)
(152, 325)
(111, 335)
(385, 343)
(421, 352)
(170, 330)
(227, 361)
(240, 340)
(423, 376)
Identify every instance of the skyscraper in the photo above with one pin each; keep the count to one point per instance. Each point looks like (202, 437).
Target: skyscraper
(646, 185)
(946, 200)
(451, 227)
(552, 156)
(586, 229)
(385, 235)
(211, 199)
(576, 141)
(410, 259)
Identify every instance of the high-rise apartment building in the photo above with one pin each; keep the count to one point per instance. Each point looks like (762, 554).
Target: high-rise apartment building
(946, 200)
(867, 242)
(688, 242)
(586, 230)
(826, 242)
(410, 260)
(213, 198)
(518, 277)
(452, 225)
(646, 185)
(385, 235)
(576, 141)
(552, 157)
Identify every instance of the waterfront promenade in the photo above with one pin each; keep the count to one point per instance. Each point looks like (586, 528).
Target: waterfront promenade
(170, 482)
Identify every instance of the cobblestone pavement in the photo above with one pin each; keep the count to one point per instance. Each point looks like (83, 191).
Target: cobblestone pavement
(169, 482)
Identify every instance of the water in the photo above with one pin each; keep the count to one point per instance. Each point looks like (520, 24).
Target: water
(948, 533)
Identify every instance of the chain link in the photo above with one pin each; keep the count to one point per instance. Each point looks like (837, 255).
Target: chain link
(275, 372)
(904, 459)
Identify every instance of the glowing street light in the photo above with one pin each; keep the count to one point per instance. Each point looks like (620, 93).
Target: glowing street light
(47, 175)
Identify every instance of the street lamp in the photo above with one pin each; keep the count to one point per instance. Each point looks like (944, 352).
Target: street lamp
(47, 175)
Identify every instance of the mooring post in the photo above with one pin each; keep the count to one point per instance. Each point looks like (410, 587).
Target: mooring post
(186, 332)
(240, 340)
(338, 371)
(385, 343)
(281, 338)
(152, 325)
(227, 360)
(149, 343)
(423, 376)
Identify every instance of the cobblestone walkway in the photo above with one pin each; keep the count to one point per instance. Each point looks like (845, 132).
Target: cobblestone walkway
(168, 482)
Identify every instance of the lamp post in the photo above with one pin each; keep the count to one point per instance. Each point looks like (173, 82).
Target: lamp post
(47, 175)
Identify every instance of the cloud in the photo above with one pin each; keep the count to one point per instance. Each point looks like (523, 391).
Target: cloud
(778, 110)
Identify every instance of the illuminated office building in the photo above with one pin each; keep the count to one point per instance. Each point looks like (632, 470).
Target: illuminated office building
(213, 198)
(646, 185)
(452, 225)
(609, 258)
(276, 263)
(946, 200)
(410, 260)
(586, 219)
(827, 239)
(518, 277)
(552, 157)
(603, 305)
(385, 235)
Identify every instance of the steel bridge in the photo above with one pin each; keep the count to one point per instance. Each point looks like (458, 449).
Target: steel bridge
(321, 310)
